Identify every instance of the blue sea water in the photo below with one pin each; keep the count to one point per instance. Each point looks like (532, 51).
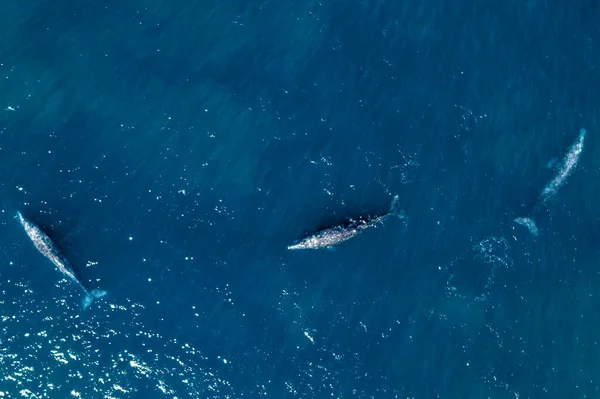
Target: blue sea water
(174, 150)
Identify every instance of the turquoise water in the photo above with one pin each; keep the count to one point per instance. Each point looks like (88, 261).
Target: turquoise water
(173, 151)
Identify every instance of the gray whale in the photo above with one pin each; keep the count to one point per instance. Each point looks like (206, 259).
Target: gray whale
(331, 236)
(46, 247)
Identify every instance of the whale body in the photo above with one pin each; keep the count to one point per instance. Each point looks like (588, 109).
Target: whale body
(331, 236)
(563, 170)
(46, 247)
(569, 163)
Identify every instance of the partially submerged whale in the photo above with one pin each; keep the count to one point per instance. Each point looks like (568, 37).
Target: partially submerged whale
(44, 244)
(331, 236)
(563, 170)
(569, 163)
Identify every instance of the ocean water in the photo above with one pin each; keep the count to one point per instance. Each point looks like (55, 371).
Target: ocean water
(174, 150)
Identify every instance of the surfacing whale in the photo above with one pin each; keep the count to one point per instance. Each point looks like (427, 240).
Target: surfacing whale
(44, 244)
(331, 236)
(564, 169)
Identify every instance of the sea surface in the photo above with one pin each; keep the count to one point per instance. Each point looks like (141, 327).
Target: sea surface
(173, 150)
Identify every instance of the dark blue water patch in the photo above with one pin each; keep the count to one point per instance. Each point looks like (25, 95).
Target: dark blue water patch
(258, 122)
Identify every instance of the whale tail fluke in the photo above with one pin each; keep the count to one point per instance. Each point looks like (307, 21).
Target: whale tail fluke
(529, 223)
(395, 208)
(90, 296)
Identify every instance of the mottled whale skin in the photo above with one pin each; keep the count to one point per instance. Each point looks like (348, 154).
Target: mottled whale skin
(563, 171)
(569, 163)
(332, 236)
(46, 247)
